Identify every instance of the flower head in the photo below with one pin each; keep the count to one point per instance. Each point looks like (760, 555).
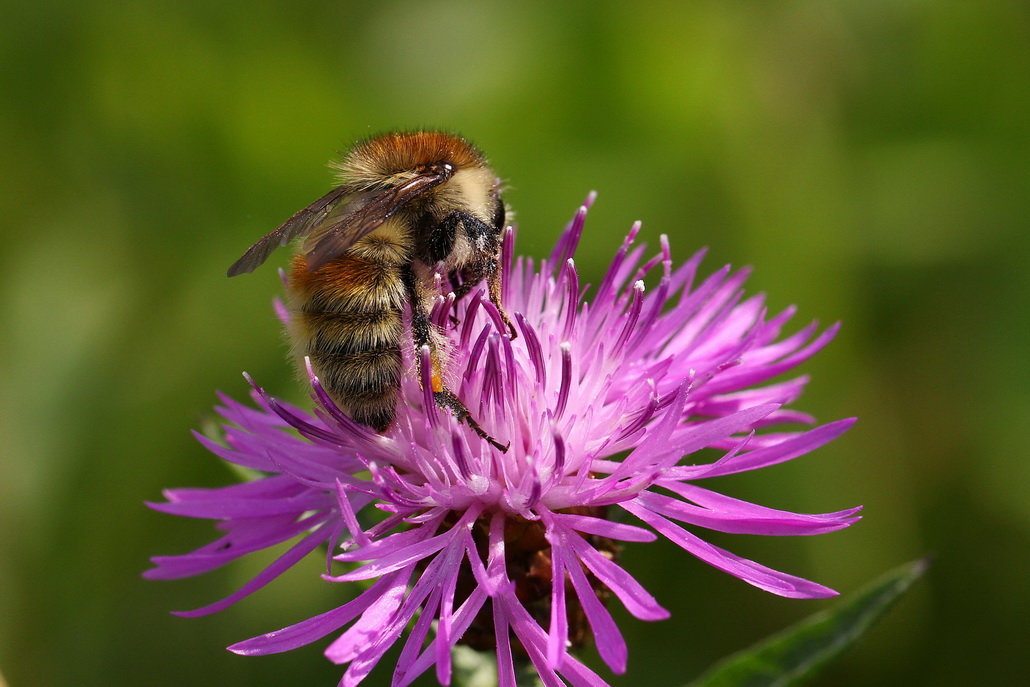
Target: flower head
(606, 402)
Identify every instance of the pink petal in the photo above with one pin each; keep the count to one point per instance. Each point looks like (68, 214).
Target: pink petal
(753, 573)
(633, 596)
(280, 565)
(609, 641)
(740, 517)
(312, 629)
(605, 528)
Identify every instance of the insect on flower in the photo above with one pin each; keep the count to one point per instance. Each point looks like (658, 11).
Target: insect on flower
(409, 207)
(606, 402)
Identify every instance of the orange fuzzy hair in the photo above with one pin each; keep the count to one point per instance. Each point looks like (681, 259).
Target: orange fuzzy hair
(375, 160)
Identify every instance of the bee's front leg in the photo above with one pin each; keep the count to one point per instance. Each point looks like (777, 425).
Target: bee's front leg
(481, 263)
(422, 335)
(473, 274)
(446, 399)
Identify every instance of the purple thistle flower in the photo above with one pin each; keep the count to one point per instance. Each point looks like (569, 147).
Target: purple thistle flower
(605, 402)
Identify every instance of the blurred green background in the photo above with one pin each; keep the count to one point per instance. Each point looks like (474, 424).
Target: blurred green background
(870, 158)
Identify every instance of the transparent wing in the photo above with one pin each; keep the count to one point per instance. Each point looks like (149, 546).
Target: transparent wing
(368, 215)
(299, 224)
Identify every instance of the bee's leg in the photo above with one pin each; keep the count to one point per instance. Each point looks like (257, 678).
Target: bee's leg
(446, 399)
(421, 331)
(438, 243)
(463, 280)
(473, 274)
(493, 283)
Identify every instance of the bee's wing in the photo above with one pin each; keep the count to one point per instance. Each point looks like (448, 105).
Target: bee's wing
(300, 224)
(370, 213)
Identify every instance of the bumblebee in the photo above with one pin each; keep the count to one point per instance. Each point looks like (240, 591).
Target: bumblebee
(408, 207)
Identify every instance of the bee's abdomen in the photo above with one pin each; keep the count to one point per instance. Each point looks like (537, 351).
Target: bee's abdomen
(357, 358)
(351, 330)
(364, 383)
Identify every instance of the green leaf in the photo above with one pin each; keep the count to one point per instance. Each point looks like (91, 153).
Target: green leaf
(796, 654)
(473, 668)
(479, 669)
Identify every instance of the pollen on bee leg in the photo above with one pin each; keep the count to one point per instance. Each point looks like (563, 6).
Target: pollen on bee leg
(432, 370)
(427, 379)
(437, 365)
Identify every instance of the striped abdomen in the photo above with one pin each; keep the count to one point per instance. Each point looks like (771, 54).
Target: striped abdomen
(347, 317)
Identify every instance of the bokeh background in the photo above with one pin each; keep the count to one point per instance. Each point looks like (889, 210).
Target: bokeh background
(870, 159)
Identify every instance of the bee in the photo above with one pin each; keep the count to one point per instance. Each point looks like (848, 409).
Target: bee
(408, 207)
